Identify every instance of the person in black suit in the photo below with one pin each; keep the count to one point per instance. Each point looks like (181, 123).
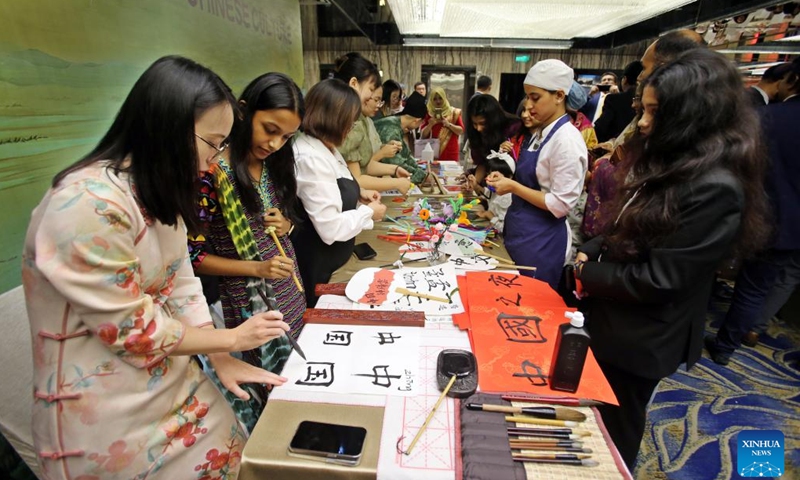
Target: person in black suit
(693, 194)
(757, 277)
(618, 110)
(772, 86)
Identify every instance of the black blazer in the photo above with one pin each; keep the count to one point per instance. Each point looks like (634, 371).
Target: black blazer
(779, 122)
(755, 97)
(617, 114)
(647, 318)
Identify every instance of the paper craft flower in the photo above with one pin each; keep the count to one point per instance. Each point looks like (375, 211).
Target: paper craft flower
(453, 214)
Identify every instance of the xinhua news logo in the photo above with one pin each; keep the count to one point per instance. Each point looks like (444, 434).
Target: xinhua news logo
(759, 453)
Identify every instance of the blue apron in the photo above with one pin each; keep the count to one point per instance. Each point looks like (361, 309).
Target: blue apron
(533, 236)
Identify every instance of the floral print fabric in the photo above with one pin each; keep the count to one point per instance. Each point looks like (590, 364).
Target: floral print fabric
(109, 293)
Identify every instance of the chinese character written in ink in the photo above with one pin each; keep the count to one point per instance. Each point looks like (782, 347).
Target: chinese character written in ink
(381, 380)
(337, 337)
(411, 282)
(508, 302)
(376, 296)
(319, 374)
(384, 338)
(460, 261)
(533, 373)
(437, 284)
(434, 273)
(504, 281)
(521, 329)
(481, 258)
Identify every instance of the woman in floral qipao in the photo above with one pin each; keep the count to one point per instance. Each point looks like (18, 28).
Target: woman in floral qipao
(114, 307)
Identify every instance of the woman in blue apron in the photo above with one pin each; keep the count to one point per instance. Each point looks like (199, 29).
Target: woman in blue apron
(335, 208)
(549, 176)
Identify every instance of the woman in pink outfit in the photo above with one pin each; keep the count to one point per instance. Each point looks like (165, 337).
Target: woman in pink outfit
(114, 307)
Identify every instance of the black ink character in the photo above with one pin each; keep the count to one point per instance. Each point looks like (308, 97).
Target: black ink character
(508, 302)
(533, 373)
(411, 281)
(337, 337)
(384, 338)
(460, 261)
(319, 374)
(437, 285)
(434, 273)
(481, 258)
(521, 329)
(381, 380)
(504, 281)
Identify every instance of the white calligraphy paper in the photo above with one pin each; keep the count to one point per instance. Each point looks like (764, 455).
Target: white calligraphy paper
(377, 289)
(356, 360)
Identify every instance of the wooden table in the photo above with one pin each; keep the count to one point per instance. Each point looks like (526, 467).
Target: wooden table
(265, 455)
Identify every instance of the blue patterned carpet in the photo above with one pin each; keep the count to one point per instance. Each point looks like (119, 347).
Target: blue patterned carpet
(696, 415)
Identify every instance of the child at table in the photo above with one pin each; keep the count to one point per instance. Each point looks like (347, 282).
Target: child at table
(497, 205)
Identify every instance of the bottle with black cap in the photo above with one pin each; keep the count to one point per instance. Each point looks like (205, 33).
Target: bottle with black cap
(569, 354)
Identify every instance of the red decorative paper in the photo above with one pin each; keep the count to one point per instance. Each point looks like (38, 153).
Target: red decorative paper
(378, 290)
(514, 322)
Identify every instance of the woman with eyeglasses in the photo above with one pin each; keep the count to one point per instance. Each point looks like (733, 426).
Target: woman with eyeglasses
(362, 149)
(245, 195)
(115, 310)
(336, 208)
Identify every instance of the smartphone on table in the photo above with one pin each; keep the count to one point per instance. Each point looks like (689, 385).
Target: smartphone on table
(364, 252)
(328, 442)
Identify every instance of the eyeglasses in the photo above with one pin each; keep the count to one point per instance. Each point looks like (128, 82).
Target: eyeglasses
(221, 148)
(378, 101)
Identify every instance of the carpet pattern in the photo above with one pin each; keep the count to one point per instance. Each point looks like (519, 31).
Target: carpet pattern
(695, 415)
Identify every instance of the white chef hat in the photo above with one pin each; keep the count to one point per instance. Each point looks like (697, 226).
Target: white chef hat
(551, 74)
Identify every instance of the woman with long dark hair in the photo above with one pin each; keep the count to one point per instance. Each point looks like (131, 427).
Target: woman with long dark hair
(488, 126)
(692, 196)
(115, 310)
(336, 209)
(246, 194)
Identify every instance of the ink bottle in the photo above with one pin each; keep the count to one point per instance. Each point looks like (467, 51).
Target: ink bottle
(569, 354)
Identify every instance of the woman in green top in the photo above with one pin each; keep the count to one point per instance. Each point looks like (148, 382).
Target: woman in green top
(394, 128)
(362, 149)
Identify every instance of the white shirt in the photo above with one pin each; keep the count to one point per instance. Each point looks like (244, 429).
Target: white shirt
(498, 205)
(562, 167)
(317, 171)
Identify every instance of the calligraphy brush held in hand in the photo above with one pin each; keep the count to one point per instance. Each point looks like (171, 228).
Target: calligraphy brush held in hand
(268, 297)
(556, 413)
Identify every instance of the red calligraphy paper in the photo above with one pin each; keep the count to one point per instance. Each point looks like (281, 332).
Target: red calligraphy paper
(514, 323)
(461, 320)
(378, 290)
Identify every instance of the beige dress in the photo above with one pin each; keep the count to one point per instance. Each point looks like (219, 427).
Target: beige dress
(109, 293)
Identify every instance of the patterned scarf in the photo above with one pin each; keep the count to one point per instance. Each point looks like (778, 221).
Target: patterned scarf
(270, 355)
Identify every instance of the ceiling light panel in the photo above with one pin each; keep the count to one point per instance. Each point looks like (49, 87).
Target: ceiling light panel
(564, 19)
(418, 17)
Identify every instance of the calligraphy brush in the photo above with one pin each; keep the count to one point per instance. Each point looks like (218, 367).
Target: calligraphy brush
(555, 413)
(539, 442)
(585, 462)
(542, 421)
(543, 448)
(564, 431)
(404, 262)
(272, 304)
(565, 401)
(549, 436)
